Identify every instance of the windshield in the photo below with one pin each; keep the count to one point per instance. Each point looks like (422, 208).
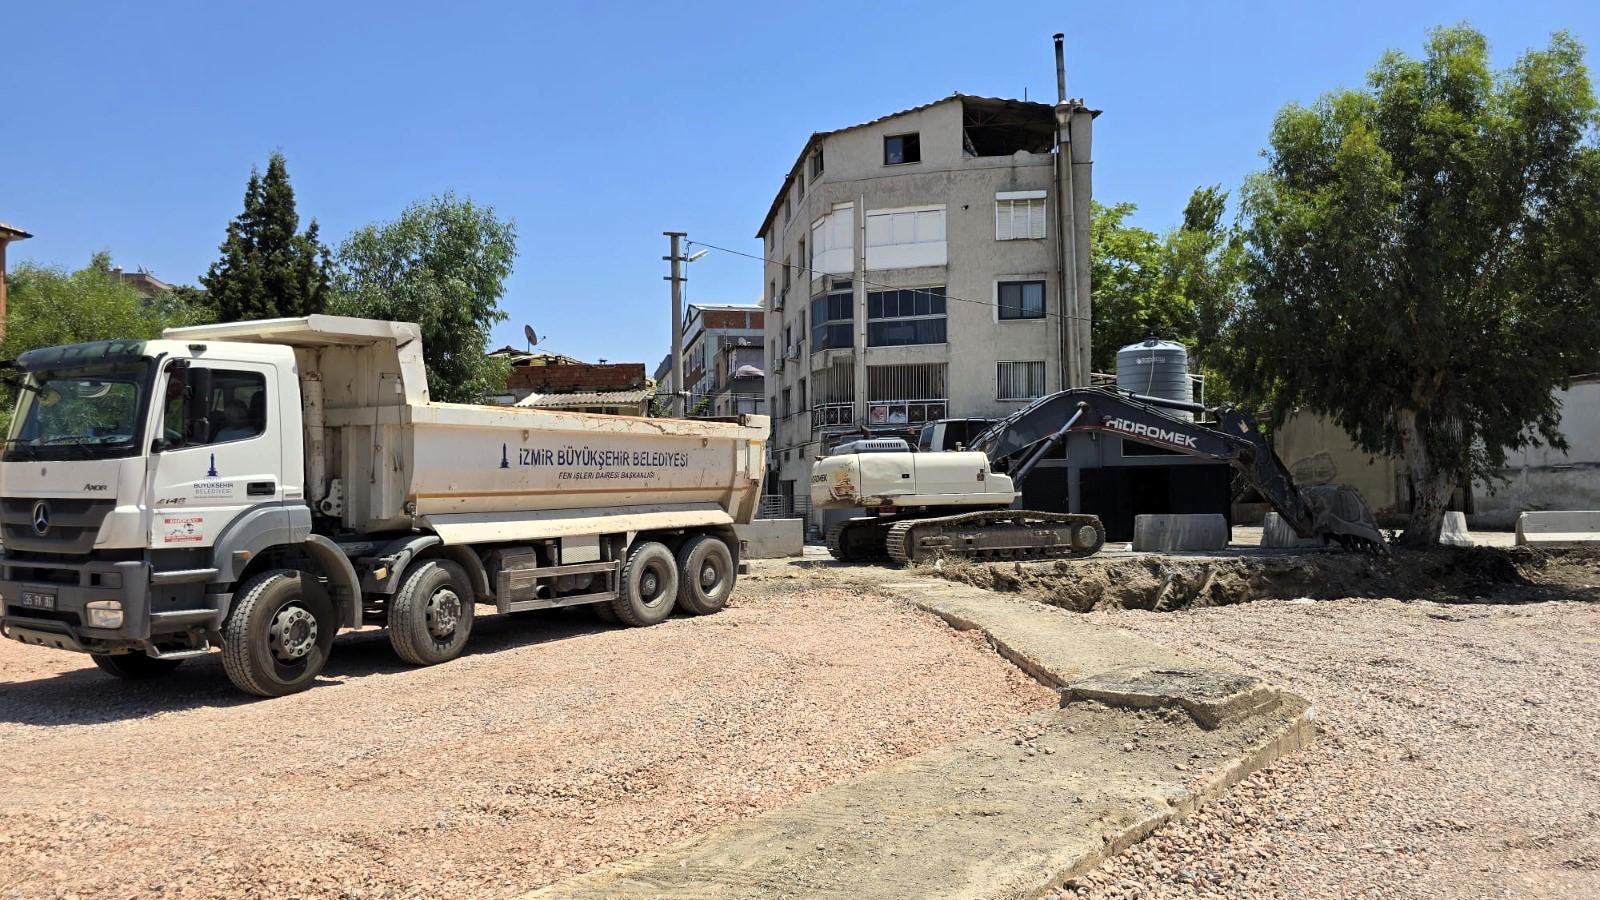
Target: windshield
(79, 414)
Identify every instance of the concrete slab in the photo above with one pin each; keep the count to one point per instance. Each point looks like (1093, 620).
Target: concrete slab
(1144, 735)
(1455, 531)
(996, 816)
(1558, 527)
(773, 538)
(1180, 532)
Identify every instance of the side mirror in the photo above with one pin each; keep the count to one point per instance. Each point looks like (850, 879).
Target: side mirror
(197, 406)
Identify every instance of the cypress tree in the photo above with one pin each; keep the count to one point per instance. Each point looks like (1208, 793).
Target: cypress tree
(268, 269)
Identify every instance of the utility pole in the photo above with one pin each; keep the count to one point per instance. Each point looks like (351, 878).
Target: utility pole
(675, 371)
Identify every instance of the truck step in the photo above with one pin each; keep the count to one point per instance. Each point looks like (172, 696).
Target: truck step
(183, 654)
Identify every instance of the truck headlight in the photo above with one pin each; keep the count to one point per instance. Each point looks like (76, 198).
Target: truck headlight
(104, 613)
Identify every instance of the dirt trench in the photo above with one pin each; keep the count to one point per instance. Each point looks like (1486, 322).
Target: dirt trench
(1159, 582)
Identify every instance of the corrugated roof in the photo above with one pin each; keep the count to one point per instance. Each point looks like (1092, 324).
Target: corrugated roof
(817, 136)
(587, 398)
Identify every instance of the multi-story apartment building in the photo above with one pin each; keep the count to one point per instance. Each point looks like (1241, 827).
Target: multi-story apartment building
(718, 340)
(707, 329)
(914, 272)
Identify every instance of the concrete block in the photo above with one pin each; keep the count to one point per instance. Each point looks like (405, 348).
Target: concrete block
(1276, 534)
(772, 538)
(1567, 526)
(1165, 533)
(1454, 531)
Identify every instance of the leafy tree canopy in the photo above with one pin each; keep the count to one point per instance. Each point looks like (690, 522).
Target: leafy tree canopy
(268, 268)
(1422, 259)
(442, 264)
(48, 307)
(1181, 286)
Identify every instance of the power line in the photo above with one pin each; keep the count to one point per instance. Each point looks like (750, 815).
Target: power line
(807, 269)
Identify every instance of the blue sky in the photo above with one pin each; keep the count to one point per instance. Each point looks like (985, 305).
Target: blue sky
(133, 126)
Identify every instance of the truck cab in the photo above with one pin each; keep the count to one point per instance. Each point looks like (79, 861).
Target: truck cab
(128, 463)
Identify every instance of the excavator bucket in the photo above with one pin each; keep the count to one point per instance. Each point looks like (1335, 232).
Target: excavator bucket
(1339, 514)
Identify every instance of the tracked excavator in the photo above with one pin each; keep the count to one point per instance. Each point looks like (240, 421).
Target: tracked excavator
(963, 503)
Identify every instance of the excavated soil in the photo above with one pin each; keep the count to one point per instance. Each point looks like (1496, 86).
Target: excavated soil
(1160, 582)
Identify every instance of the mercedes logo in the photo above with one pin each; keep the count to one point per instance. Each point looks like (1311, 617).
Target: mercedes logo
(41, 518)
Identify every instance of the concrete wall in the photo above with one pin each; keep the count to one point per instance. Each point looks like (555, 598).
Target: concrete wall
(975, 263)
(1317, 451)
(1541, 478)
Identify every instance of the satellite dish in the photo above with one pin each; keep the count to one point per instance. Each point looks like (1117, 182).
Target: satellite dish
(531, 335)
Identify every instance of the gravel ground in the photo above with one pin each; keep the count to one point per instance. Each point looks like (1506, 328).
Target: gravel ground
(1457, 755)
(557, 745)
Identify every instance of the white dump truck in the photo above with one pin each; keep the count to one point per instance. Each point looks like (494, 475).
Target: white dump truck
(255, 487)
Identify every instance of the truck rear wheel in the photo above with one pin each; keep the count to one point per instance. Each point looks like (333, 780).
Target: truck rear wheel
(648, 588)
(705, 575)
(134, 666)
(278, 636)
(430, 617)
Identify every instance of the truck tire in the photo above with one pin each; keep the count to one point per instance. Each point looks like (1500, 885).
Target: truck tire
(604, 613)
(648, 587)
(706, 574)
(430, 617)
(134, 666)
(279, 633)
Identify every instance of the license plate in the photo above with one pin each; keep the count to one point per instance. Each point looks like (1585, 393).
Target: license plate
(38, 600)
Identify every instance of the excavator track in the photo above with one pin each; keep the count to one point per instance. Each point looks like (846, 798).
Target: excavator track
(858, 540)
(1006, 534)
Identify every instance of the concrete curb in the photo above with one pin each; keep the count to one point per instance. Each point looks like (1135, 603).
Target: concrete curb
(1143, 736)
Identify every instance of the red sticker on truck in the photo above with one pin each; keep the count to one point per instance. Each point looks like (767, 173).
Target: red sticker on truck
(183, 529)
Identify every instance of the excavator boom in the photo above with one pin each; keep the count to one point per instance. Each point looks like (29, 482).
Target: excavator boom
(1016, 444)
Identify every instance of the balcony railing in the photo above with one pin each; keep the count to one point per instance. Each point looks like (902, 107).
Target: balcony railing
(888, 413)
(833, 415)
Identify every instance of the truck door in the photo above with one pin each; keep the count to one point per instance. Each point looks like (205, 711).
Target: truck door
(201, 485)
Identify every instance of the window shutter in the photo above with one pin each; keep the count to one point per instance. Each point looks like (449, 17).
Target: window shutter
(1036, 218)
(1002, 220)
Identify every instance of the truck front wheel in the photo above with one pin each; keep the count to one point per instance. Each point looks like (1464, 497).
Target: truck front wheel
(133, 666)
(705, 575)
(649, 585)
(278, 636)
(430, 617)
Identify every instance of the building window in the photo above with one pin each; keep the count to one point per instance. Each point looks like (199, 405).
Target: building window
(900, 318)
(905, 238)
(788, 272)
(785, 407)
(899, 149)
(800, 395)
(772, 294)
(816, 163)
(788, 210)
(832, 318)
(1019, 380)
(1019, 215)
(906, 394)
(805, 261)
(800, 184)
(1021, 300)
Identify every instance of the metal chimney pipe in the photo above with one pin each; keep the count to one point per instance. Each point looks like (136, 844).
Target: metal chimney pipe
(1061, 69)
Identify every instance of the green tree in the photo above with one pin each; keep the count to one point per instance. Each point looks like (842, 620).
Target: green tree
(268, 268)
(48, 307)
(1181, 286)
(442, 264)
(1422, 259)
